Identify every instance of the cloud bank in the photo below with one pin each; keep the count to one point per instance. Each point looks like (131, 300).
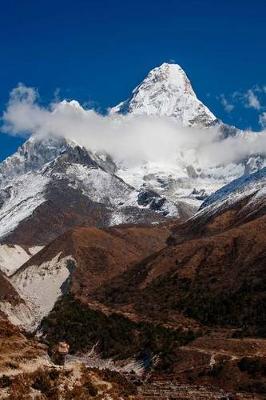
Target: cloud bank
(131, 138)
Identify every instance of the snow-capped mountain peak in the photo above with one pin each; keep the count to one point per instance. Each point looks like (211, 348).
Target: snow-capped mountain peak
(31, 156)
(167, 91)
(250, 186)
(52, 176)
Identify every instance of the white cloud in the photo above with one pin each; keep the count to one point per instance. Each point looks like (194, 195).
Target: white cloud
(131, 138)
(252, 100)
(226, 104)
(262, 119)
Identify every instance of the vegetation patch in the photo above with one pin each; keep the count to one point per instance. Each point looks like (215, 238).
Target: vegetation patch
(118, 337)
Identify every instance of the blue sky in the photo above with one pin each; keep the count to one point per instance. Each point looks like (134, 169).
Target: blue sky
(97, 51)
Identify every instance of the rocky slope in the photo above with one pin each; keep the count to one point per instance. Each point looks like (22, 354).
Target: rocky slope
(130, 267)
(79, 261)
(51, 185)
(148, 273)
(240, 201)
(213, 269)
(197, 302)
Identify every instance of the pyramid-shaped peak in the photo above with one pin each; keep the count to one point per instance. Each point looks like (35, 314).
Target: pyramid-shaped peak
(167, 91)
(169, 68)
(170, 75)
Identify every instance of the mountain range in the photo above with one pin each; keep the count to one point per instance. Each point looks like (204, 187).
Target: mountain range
(150, 260)
(52, 184)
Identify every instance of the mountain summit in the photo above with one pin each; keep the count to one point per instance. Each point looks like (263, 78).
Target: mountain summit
(167, 91)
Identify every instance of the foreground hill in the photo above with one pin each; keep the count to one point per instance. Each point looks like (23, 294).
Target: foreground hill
(81, 260)
(213, 269)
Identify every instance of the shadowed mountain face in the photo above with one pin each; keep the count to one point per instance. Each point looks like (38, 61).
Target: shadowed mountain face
(100, 254)
(65, 208)
(7, 292)
(217, 280)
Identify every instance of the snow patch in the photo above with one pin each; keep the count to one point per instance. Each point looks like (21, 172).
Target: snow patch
(22, 198)
(19, 314)
(253, 186)
(40, 286)
(12, 257)
(98, 185)
(179, 181)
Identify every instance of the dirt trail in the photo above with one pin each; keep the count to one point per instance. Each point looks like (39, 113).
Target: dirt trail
(163, 390)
